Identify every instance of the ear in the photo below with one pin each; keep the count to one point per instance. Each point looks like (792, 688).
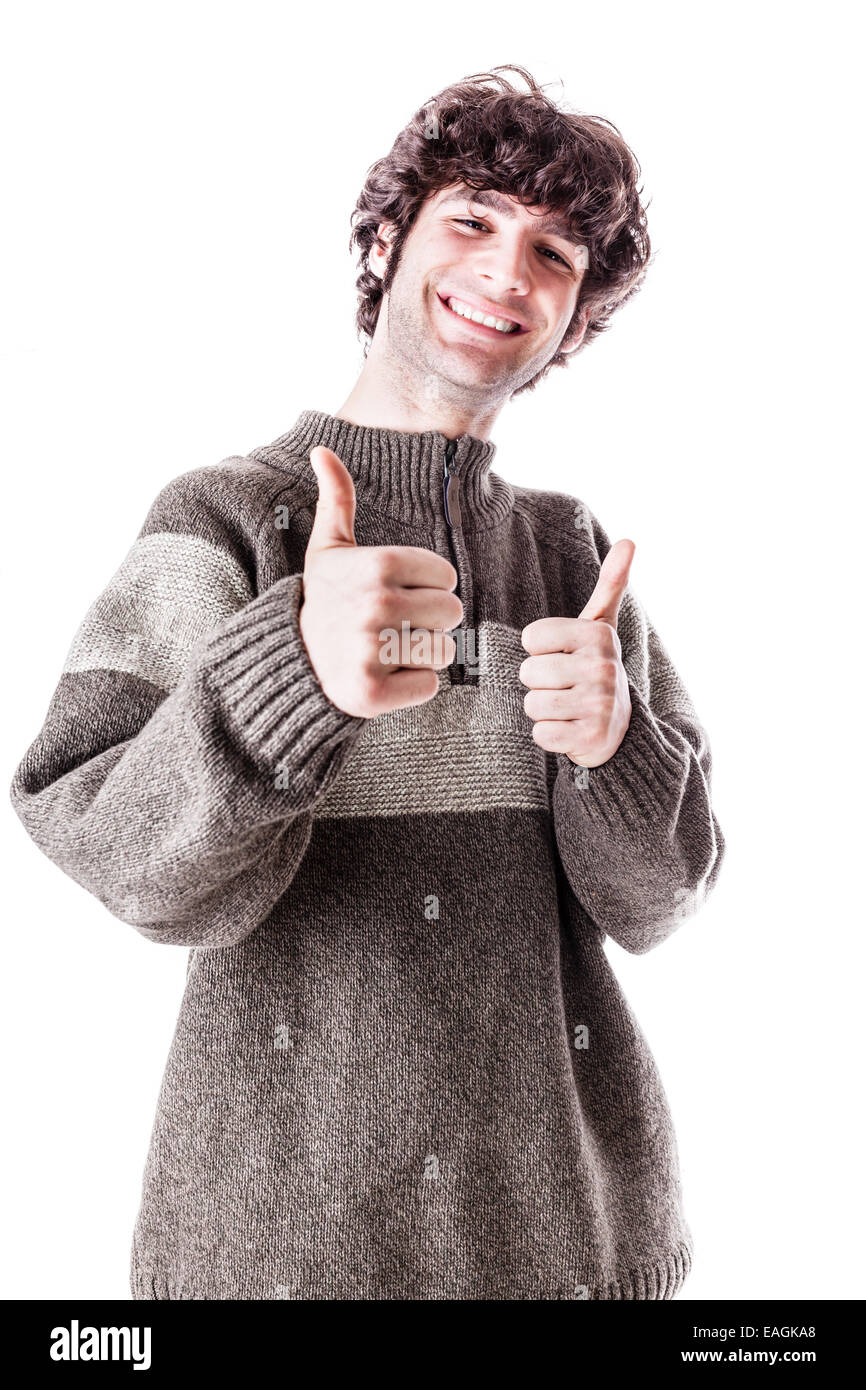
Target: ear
(378, 259)
(575, 338)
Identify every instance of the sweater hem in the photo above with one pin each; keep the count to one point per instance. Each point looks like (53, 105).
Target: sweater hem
(659, 1280)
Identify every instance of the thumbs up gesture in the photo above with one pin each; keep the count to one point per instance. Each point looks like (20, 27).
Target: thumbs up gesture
(578, 688)
(356, 597)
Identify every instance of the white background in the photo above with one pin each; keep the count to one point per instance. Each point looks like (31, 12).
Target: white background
(177, 287)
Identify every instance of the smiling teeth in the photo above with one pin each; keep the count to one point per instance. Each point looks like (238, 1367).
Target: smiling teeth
(465, 312)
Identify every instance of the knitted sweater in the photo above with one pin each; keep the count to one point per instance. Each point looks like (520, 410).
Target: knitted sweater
(403, 1067)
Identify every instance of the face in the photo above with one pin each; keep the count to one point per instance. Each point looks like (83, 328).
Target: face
(484, 255)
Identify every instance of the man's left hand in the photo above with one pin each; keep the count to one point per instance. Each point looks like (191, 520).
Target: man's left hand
(578, 689)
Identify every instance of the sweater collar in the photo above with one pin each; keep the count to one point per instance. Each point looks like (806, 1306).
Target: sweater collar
(399, 471)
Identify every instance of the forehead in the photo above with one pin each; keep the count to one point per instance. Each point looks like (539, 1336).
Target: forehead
(553, 223)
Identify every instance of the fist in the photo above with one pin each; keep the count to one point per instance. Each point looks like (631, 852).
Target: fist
(578, 688)
(356, 597)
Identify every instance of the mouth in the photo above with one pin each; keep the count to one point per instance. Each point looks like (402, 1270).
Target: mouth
(482, 320)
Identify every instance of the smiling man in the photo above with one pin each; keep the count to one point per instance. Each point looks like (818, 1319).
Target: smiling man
(485, 294)
(392, 750)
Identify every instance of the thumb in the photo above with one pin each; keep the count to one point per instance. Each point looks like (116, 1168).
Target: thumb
(606, 597)
(334, 519)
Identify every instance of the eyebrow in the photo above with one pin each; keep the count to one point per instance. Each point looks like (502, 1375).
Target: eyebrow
(553, 225)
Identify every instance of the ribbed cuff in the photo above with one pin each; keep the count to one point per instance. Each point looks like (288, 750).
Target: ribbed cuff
(270, 695)
(640, 787)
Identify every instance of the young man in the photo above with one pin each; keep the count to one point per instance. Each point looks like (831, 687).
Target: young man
(403, 1067)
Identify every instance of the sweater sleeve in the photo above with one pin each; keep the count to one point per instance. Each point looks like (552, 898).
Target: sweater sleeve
(638, 838)
(185, 745)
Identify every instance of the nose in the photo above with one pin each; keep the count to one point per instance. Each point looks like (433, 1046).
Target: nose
(505, 265)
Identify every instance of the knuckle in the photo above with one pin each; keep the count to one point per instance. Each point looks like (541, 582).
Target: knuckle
(378, 606)
(369, 690)
(390, 607)
(384, 564)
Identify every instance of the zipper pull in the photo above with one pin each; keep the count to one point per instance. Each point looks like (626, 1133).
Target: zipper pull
(451, 486)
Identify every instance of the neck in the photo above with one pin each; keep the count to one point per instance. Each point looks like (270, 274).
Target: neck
(394, 400)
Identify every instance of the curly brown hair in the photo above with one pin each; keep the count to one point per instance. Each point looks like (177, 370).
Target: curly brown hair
(485, 133)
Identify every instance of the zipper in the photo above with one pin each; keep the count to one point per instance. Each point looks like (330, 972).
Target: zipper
(460, 674)
(451, 488)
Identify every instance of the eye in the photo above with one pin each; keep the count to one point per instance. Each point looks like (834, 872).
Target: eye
(545, 250)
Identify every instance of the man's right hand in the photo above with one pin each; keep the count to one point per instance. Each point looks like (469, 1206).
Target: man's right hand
(355, 594)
